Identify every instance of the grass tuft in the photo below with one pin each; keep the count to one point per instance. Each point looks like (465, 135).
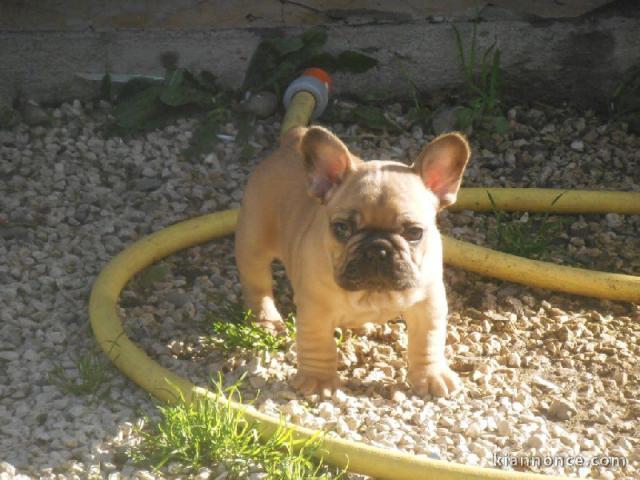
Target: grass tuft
(210, 433)
(234, 327)
(531, 239)
(92, 371)
(482, 75)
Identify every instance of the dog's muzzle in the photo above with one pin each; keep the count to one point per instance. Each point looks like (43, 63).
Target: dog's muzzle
(376, 265)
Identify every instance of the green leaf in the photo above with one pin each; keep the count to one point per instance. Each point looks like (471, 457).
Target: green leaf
(138, 110)
(324, 60)
(205, 135)
(501, 125)
(180, 90)
(263, 61)
(354, 62)
(314, 38)
(374, 118)
(285, 45)
(135, 86)
(205, 80)
(465, 117)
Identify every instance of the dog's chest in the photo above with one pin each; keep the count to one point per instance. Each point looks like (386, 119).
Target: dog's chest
(377, 307)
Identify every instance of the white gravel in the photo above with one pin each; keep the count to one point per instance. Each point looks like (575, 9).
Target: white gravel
(545, 374)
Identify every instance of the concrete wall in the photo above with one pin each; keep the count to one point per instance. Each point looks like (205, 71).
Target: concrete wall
(573, 51)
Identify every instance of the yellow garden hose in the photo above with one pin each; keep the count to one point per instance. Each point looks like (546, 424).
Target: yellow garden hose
(376, 462)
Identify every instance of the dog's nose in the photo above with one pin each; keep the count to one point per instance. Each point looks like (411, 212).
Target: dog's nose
(378, 250)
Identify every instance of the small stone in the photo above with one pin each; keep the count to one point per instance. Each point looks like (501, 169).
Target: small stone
(536, 441)
(263, 104)
(6, 467)
(445, 119)
(144, 475)
(203, 474)
(561, 409)
(178, 299)
(9, 355)
(538, 381)
(399, 396)
(11, 233)
(33, 114)
(613, 220)
(504, 428)
(340, 397)
(621, 378)
(453, 337)
(577, 145)
(475, 429)
(513, 360)
(147, 184)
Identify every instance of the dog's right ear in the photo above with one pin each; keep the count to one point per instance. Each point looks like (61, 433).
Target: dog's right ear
(326, 160)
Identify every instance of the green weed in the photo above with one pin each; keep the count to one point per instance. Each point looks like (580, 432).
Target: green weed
(482, 76)
(144, 104)
(234, 327)
(93, 373)
(624, 104)
(531, 239)
(208, 432)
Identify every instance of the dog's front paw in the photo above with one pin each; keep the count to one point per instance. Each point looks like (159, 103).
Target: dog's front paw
(310, 384)
(437, 379)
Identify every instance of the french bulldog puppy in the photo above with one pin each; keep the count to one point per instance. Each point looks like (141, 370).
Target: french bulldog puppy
(359, 243)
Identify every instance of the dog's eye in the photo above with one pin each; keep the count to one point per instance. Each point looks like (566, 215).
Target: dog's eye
(341, 230)
(412, 233)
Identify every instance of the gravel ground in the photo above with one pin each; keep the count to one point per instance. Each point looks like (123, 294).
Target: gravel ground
(544, 374)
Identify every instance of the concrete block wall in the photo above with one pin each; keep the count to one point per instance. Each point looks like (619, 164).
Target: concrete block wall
(552, 51)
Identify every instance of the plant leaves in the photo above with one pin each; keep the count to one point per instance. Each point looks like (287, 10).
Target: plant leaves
(138, 110)
(276, 61)
(285, 45)
(501, 125)
(354, 62)
(205, 135)
(135, 86)
(180, 90)
(263, 60)
(314, 38)
(374, 118)
(464, 117)
(205, 80)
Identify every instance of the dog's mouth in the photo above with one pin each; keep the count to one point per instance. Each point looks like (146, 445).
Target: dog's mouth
(361, 273)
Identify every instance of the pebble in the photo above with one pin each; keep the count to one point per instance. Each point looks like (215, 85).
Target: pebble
(445, 119)
(577, 145)
(263, 104)
(561, 409)
(544, 384)
(514, 360)
(613, 220)
(536, 441)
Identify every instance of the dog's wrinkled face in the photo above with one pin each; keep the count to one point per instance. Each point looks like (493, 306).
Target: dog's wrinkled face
(379, 225)
(381, 214)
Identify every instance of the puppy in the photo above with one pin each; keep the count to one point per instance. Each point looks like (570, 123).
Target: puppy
(359, 243)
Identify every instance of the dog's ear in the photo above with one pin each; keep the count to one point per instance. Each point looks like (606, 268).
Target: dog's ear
(327, 161)
(441, 165)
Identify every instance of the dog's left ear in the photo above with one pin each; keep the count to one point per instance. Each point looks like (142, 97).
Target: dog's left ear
(441, 165)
